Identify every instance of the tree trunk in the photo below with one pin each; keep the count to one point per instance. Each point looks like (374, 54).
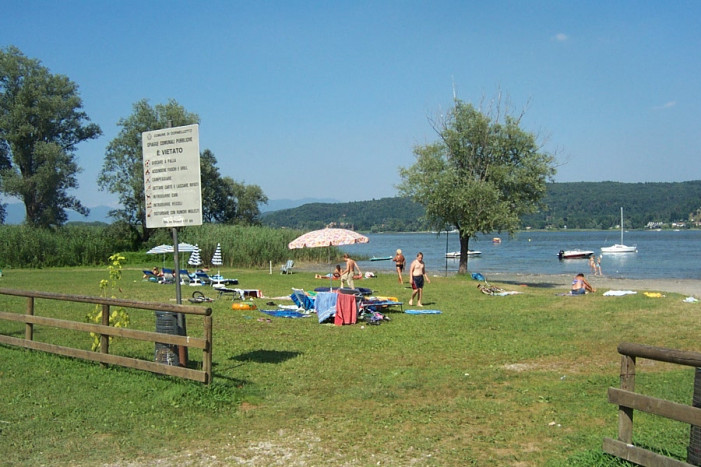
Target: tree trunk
(464, 247)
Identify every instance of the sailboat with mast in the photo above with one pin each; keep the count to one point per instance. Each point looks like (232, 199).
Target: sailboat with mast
(620, 247)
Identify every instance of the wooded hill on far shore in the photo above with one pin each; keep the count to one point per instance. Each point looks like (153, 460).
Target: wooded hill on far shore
(580, 205)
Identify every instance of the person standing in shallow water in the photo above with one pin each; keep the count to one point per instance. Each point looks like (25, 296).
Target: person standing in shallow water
(417, 273)
(399, 262)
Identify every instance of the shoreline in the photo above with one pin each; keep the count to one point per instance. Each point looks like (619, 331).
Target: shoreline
(688, 287)
(602, 283)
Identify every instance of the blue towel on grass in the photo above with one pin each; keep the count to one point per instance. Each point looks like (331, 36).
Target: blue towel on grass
(285, 313)
(422, 312)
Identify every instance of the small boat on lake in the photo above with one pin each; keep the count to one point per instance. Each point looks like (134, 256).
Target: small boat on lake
(574, 254)
(456, 254)
(380, 258)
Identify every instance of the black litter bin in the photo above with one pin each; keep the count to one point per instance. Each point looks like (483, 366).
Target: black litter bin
(167, 323)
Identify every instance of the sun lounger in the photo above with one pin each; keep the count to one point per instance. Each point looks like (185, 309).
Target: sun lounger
(376, 305)
(238, 294)
(360, 290)
(216, 280)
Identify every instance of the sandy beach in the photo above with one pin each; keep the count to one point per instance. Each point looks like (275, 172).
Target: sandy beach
(689, 287)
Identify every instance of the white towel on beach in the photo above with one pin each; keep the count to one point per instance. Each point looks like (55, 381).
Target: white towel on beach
(618, 293)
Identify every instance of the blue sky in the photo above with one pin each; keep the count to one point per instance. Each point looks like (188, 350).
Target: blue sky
(326, 99)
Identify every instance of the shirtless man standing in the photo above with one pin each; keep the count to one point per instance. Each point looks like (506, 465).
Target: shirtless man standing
(417, 273)
(348, 273)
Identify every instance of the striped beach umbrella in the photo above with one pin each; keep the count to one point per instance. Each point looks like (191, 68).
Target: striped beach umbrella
(195, 259)
(216, 259)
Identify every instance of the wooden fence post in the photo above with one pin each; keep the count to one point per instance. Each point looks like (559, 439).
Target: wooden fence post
(625, 414)
(104, 339)
(29, 327)
(207, 352)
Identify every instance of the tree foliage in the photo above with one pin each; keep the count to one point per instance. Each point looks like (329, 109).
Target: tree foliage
(41, 122)
(122, 171)
(225, 200)
(481, 176)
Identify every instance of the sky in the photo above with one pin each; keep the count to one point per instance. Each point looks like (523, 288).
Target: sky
(328, 99)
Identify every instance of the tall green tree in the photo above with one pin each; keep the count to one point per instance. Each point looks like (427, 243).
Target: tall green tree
(248, 200)
(226, 201)
(216, 194)
(122, 170)
(481, 176)
(41, 122)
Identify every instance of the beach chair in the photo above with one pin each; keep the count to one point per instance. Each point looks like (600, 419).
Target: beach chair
(301, 299)
(150, 276)
(238, 294)
(287, 267)
(215, 280)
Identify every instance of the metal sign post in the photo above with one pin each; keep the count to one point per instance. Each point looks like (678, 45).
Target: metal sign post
(172, 189)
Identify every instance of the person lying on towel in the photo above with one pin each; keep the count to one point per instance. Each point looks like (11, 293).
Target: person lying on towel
(336, 274)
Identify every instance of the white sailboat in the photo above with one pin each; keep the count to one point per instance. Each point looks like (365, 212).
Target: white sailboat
(620, 247)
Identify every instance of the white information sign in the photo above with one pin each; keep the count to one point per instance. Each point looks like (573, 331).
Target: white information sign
(172, 184)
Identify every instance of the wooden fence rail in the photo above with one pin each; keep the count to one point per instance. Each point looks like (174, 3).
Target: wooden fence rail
(628, 400)
(105, 331)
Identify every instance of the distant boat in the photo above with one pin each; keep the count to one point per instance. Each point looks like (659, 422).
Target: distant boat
(380, 258)
(620, 247)
(574, 254)
(456, 254)
(496, 240)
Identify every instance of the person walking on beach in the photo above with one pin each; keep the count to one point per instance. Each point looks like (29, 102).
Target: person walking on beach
(399, 262)
(598, 266)
(417, 273)
(349, 272)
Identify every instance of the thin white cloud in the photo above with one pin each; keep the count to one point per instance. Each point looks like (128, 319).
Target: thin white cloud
(560, 37)
(668, 105)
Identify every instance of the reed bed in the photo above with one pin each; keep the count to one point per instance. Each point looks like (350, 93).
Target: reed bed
(92, 245)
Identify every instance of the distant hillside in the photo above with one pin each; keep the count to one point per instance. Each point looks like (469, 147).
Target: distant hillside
(386, 214)
(15, 214)
(596, 205)
(582, 205)
(279, 204)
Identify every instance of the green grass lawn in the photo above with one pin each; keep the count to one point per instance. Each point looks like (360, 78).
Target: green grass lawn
(515, 380)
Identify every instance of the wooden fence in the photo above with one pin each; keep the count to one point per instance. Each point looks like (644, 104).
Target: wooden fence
(628, 400)
(105, 331)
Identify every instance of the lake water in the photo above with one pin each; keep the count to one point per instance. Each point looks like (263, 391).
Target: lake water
(661, 254)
